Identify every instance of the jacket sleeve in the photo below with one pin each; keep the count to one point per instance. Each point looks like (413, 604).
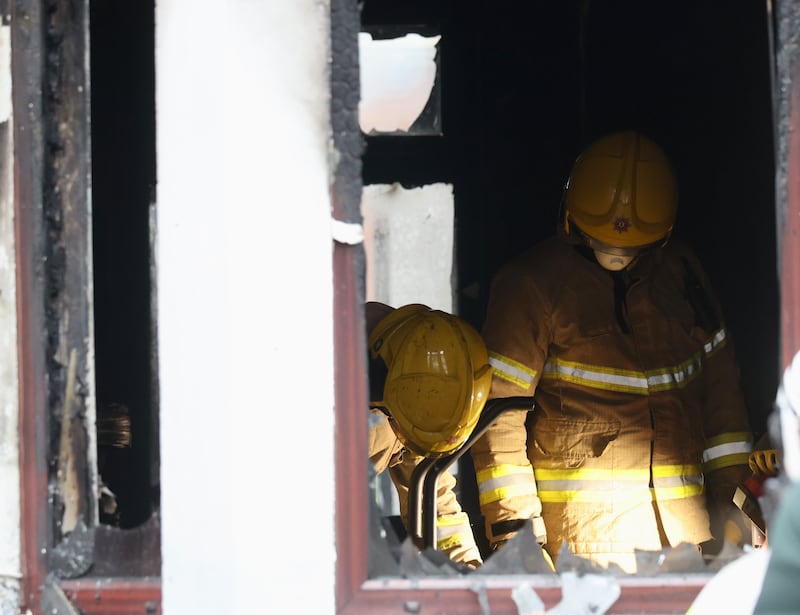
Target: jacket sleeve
(728, 437)
(517, 337)
(453, 530)
(383, 443)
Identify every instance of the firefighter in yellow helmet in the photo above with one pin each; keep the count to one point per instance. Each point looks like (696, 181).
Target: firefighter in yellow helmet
(429, 379)
(639, 433)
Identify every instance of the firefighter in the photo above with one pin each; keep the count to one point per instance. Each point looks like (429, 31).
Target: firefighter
(429, 380)
(639, 433)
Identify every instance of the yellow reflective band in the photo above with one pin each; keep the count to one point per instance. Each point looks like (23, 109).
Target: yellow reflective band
(731, 437)
(717, 341)
(527, 488)
(676, 470)
(621, 495)
(505, 480)
(727, 449)
(451, 531)
(596, 376)
(725, 461)
(593, 474)
(625, 381)
(677, 493)
(446, 521)
(675, 377)
(598, 485)
(511, 370)
(504, 469)
(449, 542)
(587, 495)
(623, 475)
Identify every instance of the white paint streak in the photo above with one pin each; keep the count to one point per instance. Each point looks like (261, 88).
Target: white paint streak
(347, 233)
(5, 73)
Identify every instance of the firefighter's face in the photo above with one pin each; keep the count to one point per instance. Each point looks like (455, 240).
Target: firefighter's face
(613, 262)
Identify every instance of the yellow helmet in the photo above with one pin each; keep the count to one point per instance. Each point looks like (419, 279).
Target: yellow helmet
(438, 377)
(622, 193)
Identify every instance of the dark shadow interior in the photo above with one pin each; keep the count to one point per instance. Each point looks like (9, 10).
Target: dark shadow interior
(123, 186)
(525, 85)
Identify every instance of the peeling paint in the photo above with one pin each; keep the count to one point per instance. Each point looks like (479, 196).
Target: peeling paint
(347, 233)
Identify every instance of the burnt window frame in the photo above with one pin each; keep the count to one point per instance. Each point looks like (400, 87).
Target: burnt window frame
(52, 168)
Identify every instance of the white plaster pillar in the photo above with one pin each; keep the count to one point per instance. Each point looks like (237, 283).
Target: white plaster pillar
(244, 258)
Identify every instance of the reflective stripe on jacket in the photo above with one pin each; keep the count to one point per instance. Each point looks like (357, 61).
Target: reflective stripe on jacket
(637, 408)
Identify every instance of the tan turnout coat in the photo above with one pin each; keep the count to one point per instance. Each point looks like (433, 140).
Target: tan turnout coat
(638, 414)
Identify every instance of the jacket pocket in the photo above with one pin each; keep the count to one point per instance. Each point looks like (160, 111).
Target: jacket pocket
(570, 441)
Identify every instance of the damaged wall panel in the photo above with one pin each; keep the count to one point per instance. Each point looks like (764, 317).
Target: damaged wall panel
(68, 275)
(54, 288)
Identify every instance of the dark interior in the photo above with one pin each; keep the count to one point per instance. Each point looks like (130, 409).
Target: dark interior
(123, 186)
(526, 85)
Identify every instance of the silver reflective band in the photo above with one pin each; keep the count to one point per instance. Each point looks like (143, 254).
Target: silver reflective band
(722, 450)
(507, 480)
(641, 383)
(513, 371)
(717, 340)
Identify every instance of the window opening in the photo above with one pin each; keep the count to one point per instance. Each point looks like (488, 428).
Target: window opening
(123, 192)
(400, 83)
(548, 85)
(408, 240)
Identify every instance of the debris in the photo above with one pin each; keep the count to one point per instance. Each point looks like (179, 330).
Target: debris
(527, 600)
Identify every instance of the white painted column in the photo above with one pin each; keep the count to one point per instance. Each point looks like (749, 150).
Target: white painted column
(244, 257)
